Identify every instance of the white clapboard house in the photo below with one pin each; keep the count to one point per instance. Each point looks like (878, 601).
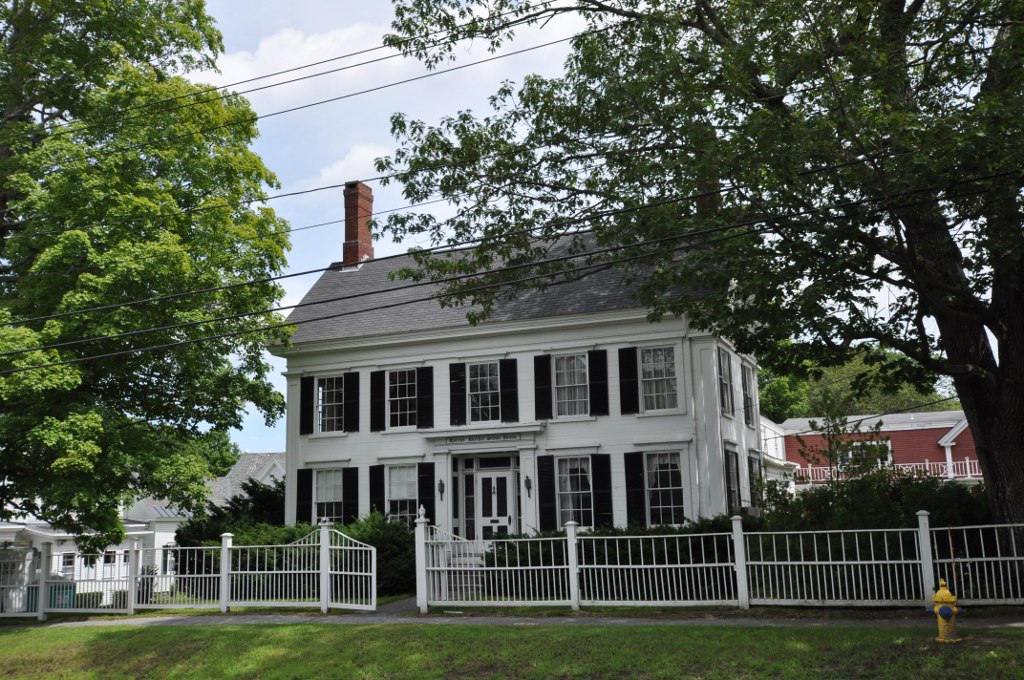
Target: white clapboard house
(565, 405)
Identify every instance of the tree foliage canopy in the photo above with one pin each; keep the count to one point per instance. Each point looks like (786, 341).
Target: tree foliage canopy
(831, 173)
(118, 184)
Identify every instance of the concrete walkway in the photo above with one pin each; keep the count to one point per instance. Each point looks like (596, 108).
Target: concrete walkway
(404, 612)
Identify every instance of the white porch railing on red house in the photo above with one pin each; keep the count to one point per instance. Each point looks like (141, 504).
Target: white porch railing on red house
(894, 567)
(967, 469)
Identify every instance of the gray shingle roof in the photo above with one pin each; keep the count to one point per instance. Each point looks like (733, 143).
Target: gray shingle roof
(389, 307)
(248, 466)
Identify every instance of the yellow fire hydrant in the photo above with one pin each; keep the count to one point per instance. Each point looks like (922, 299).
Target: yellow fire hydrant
(945, 612)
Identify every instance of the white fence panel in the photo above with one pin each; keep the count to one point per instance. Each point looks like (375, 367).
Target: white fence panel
(657, 570)
(276, 575)
(19, 587)
(981, 564)
(353, 573)
(179, 578)
(502, 572)
(876, 567)
(96, 584)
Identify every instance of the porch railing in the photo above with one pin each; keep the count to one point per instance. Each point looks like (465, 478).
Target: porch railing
(958, 469)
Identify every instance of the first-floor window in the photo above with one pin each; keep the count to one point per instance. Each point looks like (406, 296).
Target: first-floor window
(402, 494)
(732, 480)
(327, 495)
(664, 489)
(402, 398)
(575, 500)
(67, 565)
(572, 388)
(756, 473)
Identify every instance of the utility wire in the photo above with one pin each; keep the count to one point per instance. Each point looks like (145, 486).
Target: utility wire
(448, 246)
(612, 249)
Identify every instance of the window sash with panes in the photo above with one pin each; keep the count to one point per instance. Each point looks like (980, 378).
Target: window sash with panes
(402, 494)
(658, 378)
(732, 480)
(330, 404)
(572, 389)
(754, 473)
(484, 392)
(575, 499)
(747, 378)
(664, 489)
(725, 382)
(402, 398)
(327, 495)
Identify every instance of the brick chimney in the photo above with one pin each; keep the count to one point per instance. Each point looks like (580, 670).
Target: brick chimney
(358, 208)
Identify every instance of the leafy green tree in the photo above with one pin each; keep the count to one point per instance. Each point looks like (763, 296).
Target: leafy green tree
(117, 184)
(836, 173)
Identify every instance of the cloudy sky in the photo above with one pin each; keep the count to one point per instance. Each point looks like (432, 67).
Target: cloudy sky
(337, 142)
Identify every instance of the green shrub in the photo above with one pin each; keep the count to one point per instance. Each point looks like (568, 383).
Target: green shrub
(88, 600)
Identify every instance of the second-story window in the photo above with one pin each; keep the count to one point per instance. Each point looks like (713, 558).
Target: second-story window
(747, 379)
(572, 395)
(402, 398)
(725, 382)
(330, 404)
(658, 378)
(484, 392)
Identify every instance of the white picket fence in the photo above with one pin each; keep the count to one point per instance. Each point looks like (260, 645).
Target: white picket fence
(894, 567)
(326, 570)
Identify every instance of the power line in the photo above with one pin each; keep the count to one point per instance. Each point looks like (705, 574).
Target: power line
(611, 249)
(448, 246)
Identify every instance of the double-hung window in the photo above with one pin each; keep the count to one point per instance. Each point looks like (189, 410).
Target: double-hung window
(402, 398)
(664, 489)
(756, 474)
(572, 390)
(732, 480)
(327, 495)
(402, 494)
(575, 497)
(725, 382)
(749, 409)
(658, 378)
(484, 392)
(330, 404)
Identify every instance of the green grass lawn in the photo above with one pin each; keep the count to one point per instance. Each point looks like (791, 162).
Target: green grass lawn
(532, 651)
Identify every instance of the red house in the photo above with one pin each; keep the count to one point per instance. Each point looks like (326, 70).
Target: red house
(938, 443)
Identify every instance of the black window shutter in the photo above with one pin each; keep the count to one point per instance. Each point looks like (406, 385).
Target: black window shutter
(597, 369)
(307, 404)
(601, 463)
(378, 402)
(542, 386)
(547, 504)
(351, 402)
(425, 489)
(425, 397)
(377, 500)
(457, 381)
(629, 381)
(349, 495)
(508, 375)
(636, 507)
(304, 496)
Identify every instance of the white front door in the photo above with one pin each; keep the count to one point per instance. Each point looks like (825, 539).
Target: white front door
(497, 504)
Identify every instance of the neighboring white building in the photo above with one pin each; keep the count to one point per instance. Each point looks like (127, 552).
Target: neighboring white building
(565, 405)
(773, 445)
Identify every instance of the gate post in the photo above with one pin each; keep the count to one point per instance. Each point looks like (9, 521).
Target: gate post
(43, 589)
(133, 575)
(574, 565)
(325, 565)
(740, 551)
(924, 549)
(225, 570)
(421, 560)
